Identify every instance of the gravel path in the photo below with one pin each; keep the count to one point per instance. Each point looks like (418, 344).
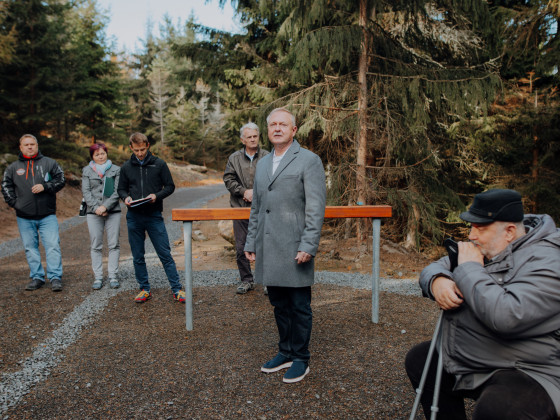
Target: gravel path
(49, 353)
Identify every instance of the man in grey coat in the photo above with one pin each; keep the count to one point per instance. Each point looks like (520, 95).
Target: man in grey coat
(238, 178)
(289, 195)
(500, 339)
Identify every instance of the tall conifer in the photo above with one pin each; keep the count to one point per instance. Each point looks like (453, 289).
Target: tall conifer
(428, 65)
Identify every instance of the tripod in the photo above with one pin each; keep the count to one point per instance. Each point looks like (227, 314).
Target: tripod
(453, 251)
(436, 341)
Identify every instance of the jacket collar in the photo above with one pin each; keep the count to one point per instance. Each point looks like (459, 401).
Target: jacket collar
(256, 155)
(148, 159)
(289, 156)
(538, 227)
(36, 157)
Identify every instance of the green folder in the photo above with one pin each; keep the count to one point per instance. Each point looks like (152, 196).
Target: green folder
(108, 186)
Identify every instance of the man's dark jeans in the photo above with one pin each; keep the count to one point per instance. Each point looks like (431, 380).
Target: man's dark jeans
(138, 224)
(508, 394)
(240, 228)
(294, 319)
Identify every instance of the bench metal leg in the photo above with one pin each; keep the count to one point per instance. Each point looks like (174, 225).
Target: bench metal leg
(376, 233)
(187, 238)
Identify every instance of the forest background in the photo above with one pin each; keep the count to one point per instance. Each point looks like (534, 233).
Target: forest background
(416, 104)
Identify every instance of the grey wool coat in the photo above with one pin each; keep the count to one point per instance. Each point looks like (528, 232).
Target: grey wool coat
(286, 217)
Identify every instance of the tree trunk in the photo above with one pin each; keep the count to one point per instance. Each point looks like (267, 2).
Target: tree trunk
(160, 105)
(361, 151)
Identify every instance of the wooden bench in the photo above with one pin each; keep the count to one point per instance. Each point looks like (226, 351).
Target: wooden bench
(187, 216)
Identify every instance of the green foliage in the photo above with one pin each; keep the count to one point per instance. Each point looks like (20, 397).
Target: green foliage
(518, 147)
(429, 65)
(59, 79)
(528, 31)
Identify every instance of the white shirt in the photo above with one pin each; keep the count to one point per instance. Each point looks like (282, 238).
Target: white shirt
(276, 159)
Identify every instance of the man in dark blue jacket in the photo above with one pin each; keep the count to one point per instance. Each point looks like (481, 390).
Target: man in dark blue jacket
(145, 176)
(29, 186)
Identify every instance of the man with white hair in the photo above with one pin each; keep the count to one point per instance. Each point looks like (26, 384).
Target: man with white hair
(238, 177)
(284, 233)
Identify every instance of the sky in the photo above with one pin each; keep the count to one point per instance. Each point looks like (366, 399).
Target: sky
(129, 18)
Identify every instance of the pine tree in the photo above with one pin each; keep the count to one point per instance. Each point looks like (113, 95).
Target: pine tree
(29, 88)
(428, 65)
(7, 36)
(159, 93)
(59, 80)
(517, 145)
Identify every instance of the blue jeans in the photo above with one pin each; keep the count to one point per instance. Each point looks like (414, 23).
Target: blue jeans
(46, 228)
(138, 224)
(294, 318)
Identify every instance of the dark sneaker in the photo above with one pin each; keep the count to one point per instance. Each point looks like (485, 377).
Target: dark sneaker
(296, 373)
(56, 285)
(143, 296)
(244, 287)
(180, 296)
(97, 284)
(278, 363)
(35, 284)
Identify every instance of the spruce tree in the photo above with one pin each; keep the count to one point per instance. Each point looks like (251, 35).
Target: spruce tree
(428, 64)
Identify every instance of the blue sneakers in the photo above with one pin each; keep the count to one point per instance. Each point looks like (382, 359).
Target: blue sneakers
(297, 372)
(279, 362)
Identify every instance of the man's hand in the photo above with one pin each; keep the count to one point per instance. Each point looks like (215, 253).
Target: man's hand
(37, 188)
(152, 197)
(446, 293)
(128, 200)
(469, 252)
(248, 196)
(302, 257)
(250, 256)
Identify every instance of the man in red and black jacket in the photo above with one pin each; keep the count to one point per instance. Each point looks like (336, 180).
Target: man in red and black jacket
(29, 186)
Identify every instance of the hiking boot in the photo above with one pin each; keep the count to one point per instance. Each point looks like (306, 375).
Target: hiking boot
(296, 373)
(56, 285)
(244, 287)
(278, 363)
(97, 284)
(35, 284)
(143, 296)
(180, 296)
(114, 283)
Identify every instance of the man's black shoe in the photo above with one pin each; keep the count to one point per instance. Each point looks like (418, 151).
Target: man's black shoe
(34, 284)
(56, 285)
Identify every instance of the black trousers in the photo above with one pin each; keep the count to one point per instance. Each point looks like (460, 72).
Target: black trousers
(292, 311)
(508, 394)
(240, 233)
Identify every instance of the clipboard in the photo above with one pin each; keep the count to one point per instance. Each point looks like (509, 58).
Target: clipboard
(139, 202)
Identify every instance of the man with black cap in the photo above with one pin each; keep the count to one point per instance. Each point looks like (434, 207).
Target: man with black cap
(501, 321)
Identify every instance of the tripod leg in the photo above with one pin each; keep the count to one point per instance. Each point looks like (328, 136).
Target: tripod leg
(437, 386)
(420, 388)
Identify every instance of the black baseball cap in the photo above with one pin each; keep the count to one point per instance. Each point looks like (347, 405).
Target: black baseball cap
(495, 205)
